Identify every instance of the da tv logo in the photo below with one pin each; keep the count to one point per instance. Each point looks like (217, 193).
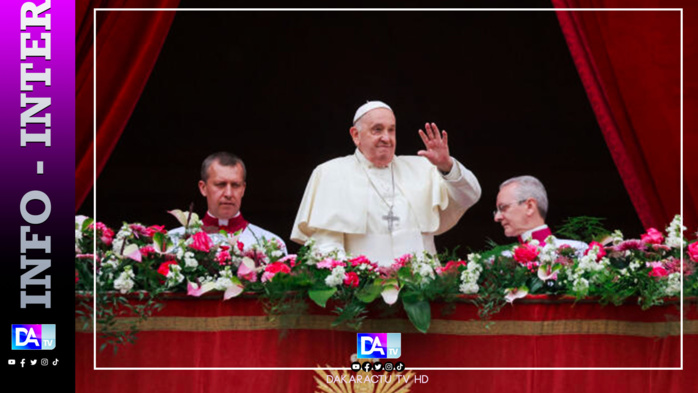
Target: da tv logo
(33, 337)
(378, 345)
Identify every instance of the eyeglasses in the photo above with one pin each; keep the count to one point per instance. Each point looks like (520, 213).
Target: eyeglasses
(505, 206)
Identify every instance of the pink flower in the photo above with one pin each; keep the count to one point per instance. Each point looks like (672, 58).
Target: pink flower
(631, 244)
(451, 267)
(351, 279)
(138, 230)
(600, 254)
(658, 269)
(153, 229)
(105, 234)
(512, 294)
(564, 261)
(545, 272)
(652, 236)
(673, 265)
(693, 251)
(146, 251)
(329, 263)
(246, 273)
(526, 253)
(290, 258)
(401, 262)
(362, 260)
(223, 257)
(202, 242)
(272, 269)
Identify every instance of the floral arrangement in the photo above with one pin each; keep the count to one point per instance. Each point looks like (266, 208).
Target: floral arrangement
(147, 261)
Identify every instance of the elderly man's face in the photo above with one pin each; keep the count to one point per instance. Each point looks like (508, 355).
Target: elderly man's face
(223, 190)
(512, 213)
(376, 140)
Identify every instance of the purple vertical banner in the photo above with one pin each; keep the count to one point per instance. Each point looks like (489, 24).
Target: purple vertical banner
(37, 159)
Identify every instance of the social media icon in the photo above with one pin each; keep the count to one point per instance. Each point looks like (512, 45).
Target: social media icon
(377, 366)
(388, 366)
(366, 366)
(21, 362)
(378, 345)
(356, 366)
(33, 337)
(399, 366)
(55, 362)
(44, 362)
(33, 362)
(11, 362)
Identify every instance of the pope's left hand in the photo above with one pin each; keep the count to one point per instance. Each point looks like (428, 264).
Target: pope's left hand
(437, 147)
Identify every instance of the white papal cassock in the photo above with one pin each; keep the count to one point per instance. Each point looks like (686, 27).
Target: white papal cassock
(346, 206)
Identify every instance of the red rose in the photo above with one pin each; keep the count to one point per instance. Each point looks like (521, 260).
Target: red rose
(601, 253)
(657, 270)
(201, 242)
(271, 269)
(652, 236)
(526, 253)
(165, 267)
(241, 246)
(693, 251)
(351, 279)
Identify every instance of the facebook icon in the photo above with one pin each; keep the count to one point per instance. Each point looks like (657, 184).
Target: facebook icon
(378, 345)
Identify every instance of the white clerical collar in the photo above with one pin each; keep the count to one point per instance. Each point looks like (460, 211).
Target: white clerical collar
(529, 233)
(365, 162)
(221, 221)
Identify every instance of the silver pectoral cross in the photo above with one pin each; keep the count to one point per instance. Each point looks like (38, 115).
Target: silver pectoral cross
(391, 218)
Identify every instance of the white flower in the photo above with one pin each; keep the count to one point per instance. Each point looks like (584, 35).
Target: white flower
(124, 283)
(336, 277)
(617, 237)
(581, 285)
(111, 263)
(634, 265)
(277, 253)
(675, 233)
(469, 288)
(174, 276)
(673, 287)
(179, 253)
(189, 260)
(223, 283)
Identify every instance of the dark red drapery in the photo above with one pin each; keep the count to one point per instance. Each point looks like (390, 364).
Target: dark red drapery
(630, 65)
(128, 44)
(208, 332)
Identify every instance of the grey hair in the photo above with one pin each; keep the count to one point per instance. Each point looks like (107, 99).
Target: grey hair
(225, 159)
(529, 187)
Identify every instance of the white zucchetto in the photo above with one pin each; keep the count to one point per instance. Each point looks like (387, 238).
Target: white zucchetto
(369, 106)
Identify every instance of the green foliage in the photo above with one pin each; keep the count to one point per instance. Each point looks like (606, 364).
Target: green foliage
(583, 228)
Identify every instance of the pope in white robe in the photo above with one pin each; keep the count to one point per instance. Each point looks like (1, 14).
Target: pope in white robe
(383, 206)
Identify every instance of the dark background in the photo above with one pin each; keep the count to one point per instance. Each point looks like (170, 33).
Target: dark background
(280, 90)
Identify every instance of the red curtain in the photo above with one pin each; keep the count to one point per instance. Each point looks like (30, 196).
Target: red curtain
(630, 65)
(127, 44)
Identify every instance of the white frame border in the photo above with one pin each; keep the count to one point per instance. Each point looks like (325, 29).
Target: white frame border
(94, 182)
